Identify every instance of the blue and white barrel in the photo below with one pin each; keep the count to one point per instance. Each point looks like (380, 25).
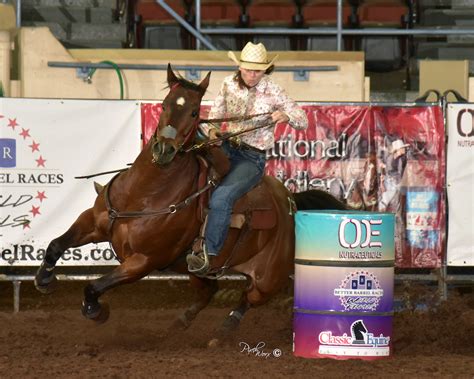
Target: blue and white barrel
(344, 279)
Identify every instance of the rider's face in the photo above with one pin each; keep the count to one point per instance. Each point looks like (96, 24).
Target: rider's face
(251, 77)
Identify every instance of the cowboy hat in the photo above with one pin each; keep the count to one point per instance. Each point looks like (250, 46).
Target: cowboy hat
(252, 57)
(398, 144)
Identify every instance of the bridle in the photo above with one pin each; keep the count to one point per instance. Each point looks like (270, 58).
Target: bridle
(170, 132)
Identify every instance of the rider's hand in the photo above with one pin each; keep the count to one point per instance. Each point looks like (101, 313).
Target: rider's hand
(213, 134)
(279, 116)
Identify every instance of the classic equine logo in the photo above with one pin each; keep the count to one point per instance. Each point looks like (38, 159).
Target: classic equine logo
(25, 176)
(359, 291)
(360, 342)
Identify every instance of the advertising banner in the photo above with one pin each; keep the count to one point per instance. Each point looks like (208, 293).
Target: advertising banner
(44, 145)
(374, 158)
(460, 184)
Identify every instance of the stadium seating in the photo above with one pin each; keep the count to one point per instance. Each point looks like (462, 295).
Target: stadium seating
(272, 14)
(157, 29)
(383, 52)
(220, 14)
(323, 13)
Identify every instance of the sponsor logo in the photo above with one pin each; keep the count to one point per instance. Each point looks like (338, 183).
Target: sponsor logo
(359, 291)
(359, 342)
(360, 235)
(28, 178)
(465, 127)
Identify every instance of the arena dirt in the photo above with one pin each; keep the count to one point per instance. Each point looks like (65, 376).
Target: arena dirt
(49, 337)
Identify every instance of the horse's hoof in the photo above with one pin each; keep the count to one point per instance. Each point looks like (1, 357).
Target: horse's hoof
(46, 287)
(96, 312)
(179, 324)
(103, 315)
(212, 344)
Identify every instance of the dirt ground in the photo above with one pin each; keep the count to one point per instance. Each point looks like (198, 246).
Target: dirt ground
(49, 337)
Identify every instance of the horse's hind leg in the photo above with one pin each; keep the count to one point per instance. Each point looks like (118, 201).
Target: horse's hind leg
(205, 290)
(232, 321)
(132, 269)
(80, 233)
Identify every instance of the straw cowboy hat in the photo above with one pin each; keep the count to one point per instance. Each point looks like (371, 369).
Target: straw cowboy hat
(398, 144)
(252, 57)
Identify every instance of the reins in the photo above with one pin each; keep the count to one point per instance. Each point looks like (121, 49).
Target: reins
(173, 208)
(235, 118)
(227, 136)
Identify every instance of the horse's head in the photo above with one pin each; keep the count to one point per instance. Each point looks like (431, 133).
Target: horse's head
(179, 118)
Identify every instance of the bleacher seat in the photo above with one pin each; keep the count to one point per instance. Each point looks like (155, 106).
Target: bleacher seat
(272, 14)
(383, 52)
(382, 13)
(157, 28)
(220, 14)
(323, 13)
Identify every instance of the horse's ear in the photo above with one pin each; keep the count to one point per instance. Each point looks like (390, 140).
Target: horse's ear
(172, 79)
(205, 83)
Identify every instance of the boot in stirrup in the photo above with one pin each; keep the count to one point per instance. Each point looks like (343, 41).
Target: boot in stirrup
(198, 262)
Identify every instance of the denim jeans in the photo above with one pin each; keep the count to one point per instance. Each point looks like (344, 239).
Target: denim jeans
(246, 169)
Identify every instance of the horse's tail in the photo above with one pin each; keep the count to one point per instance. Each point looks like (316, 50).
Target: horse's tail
(317, 199)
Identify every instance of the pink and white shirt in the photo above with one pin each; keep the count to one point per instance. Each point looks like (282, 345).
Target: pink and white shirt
(266, 96)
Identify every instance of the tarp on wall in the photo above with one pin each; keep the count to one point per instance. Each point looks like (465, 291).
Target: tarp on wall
(44, 144)
(460, 184)
(377, 158)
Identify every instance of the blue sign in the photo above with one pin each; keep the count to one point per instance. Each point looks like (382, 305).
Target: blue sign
(7, 152)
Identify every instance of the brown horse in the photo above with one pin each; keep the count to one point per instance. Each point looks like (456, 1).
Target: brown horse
(149, 215)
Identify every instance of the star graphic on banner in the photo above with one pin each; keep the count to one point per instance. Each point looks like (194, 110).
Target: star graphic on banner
(34, 146)
(26, 224)
(12, 123)
(41, 196)
(40, 161)
(35, 210)
(25, 133)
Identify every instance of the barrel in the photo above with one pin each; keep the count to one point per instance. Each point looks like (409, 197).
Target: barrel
(344, 279)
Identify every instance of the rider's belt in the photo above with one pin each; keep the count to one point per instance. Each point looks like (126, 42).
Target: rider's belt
(245, 146)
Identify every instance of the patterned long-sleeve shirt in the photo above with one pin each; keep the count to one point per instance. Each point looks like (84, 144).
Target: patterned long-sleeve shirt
(266, 96)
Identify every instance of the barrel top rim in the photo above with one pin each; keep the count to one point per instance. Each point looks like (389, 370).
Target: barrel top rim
(347, 212)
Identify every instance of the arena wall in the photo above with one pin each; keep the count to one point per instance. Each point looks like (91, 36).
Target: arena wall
(36, 47)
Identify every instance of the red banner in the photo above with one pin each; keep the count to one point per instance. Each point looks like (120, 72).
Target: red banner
(374, 158)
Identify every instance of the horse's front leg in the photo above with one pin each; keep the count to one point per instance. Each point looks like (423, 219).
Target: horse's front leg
(204, 292)
(132, 269)
(83, 231)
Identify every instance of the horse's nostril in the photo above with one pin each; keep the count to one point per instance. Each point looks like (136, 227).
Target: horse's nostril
(169, 150)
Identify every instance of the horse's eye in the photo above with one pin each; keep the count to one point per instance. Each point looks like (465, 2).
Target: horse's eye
(194, 114)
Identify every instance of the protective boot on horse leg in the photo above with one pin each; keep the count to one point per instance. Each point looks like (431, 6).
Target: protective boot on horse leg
(135, 267)
(80, 233)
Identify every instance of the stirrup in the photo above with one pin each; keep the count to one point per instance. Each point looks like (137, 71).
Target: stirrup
(198, 262)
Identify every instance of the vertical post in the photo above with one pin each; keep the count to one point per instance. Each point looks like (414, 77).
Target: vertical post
(16, 296)
(18, 13)
(443, 277)
(5, 61)
(198, 23)
(339, 25)
(185, 24)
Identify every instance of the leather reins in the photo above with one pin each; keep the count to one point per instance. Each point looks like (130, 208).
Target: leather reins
(173, 208)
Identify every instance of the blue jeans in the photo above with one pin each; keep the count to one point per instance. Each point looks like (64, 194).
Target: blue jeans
(246, 169)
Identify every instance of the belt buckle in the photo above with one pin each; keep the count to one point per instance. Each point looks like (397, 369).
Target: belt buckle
(236, 142)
